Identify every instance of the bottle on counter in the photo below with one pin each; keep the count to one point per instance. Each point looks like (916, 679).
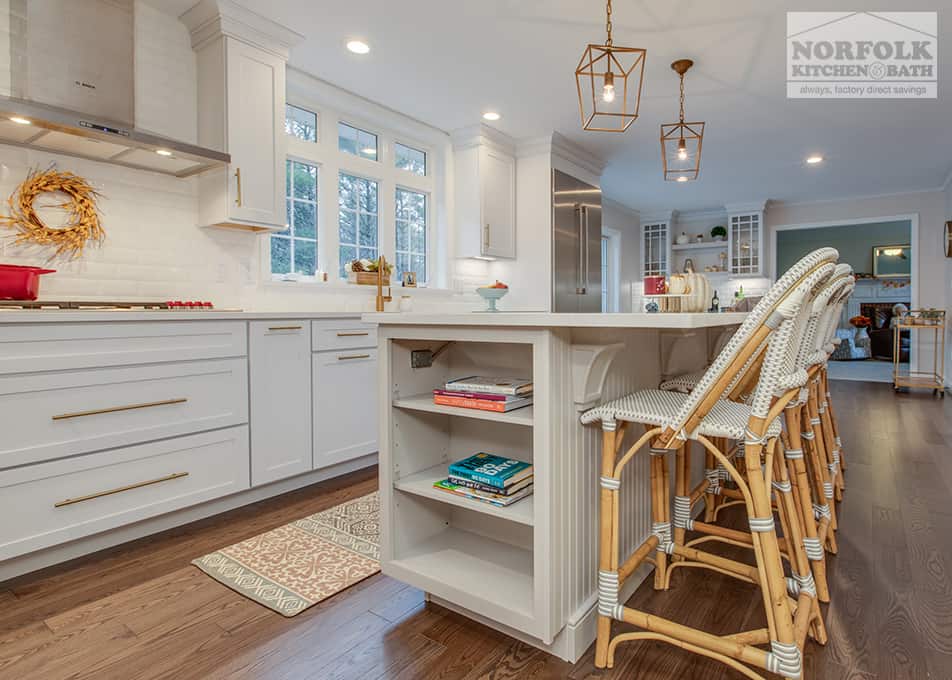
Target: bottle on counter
(715, 303)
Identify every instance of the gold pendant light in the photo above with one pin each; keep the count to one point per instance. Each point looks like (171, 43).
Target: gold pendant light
(609, 83)
(681, 142)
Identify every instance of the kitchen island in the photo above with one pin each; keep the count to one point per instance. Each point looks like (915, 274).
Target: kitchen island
(528, 569)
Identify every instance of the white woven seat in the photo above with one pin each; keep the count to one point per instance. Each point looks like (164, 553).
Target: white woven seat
(660, 407)
(683, 383)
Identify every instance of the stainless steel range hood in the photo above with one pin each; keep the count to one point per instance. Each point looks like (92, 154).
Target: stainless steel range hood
(70, 89)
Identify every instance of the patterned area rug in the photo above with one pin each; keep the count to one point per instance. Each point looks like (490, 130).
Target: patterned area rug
(297, 565)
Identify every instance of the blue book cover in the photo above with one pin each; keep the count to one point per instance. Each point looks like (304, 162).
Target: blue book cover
(490, 469)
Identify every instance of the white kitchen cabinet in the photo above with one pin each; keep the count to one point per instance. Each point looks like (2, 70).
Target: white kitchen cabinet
(279, 357)
(241, 97)
(745, 236)
(655, 246)
(345, 405)
(485, 179)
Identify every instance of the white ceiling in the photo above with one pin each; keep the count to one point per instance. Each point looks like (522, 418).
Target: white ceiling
(445, 61)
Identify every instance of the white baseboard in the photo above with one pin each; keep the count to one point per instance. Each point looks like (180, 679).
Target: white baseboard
(90, 544)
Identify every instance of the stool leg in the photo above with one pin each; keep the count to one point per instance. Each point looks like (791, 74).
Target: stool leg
(682, 482)
(833, 423)
(606, 517)
(710, 471)
(801, 487)
(660, 510)
(823, 488)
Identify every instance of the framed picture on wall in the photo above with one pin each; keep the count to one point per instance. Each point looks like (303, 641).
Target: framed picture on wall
(892, 262)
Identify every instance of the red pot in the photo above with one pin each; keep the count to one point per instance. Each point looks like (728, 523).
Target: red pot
(654, 285)
(20, 283)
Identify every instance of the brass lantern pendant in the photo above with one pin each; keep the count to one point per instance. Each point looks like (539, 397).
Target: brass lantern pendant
(681, 142)
(609, 83)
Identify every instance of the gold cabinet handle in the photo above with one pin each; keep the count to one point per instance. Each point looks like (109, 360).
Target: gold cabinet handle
(284, 328)
(352, 335)
(115, 409)
(345, 357)
(486, 237)
(238, 178)
(120, 489)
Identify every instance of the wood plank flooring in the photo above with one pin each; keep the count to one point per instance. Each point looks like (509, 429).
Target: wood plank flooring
(141, 611)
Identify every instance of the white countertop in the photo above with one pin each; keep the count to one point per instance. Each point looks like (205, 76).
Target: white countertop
(547, 319)
(8, 316)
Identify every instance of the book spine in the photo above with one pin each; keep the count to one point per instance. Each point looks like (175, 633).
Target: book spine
(470, 484)
(477, 477)
(482, 389)
(471, 395)
(478, 404)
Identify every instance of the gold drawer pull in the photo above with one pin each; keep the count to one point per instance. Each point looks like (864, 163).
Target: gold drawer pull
(115, 409)
(345, 357)
(129, 487)
(284, 328)
(238, 182)
(352, 335)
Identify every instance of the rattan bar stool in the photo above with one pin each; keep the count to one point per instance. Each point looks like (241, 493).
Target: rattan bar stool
(672, 419)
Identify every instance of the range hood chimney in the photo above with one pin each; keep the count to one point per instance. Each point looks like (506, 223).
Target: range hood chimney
(70, 87)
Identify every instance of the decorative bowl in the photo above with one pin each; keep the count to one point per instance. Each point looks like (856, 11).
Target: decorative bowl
(490, 295)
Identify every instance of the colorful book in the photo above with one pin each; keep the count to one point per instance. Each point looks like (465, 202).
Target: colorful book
(492, 470)
(490, 385)
(476, 486)
(477, 395)
(482, 404)
(495, 499)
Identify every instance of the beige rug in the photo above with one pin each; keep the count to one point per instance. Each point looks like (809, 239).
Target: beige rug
(297, 565)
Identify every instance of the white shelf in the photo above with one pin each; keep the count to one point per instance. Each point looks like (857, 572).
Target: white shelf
(706, 245)
(424, 402)
(421, 484)
(488, 577)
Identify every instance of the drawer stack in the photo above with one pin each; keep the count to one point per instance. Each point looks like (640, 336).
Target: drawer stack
(113, 423)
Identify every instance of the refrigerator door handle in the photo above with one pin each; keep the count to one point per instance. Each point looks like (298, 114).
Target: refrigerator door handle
(587, 246)
(580, 273)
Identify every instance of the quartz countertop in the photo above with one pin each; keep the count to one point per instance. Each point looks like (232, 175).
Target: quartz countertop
(9, 316)
(552, 320)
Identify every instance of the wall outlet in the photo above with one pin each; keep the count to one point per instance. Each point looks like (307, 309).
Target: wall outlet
(421, 358)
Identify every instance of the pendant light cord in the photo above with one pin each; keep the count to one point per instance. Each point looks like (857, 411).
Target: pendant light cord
(608, 22)
(682, 98)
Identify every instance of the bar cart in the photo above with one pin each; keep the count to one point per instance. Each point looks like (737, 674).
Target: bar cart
(922, 320)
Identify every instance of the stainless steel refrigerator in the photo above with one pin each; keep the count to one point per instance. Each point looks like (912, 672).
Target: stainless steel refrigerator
(576, 245)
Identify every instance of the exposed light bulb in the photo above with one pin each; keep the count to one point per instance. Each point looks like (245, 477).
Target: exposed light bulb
(682, 150)
(608, 90)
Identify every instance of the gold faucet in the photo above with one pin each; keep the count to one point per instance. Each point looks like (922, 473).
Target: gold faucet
(381, 272)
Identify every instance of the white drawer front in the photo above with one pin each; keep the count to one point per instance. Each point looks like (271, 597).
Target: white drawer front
(332, 334)
(345, 405)
(68, 499)
(54, 347)
(52, 415)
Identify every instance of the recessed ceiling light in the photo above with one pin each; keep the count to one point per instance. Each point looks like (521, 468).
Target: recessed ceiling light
(163, 152)
(358, 47)
(491, 115)
(813, 160)
(19, 121)
(682, 178)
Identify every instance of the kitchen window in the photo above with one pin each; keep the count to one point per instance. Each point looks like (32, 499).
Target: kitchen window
(357, 217)
(409, 159)
(294, 250)
(300, 123)
(411, 234)
(357, 142)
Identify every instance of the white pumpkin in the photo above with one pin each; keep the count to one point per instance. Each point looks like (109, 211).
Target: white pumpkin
(699, 293)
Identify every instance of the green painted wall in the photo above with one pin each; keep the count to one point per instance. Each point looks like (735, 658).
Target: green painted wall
(855, 242)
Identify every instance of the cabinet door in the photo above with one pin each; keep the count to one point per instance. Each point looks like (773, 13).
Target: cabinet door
(279, 353)
(345, 405)
(497, 176)
(745, 244)
(255, 82)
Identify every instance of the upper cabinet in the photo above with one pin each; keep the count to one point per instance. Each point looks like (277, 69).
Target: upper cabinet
(485, 179)
(241, 92)
(655, 246)
(745, 236)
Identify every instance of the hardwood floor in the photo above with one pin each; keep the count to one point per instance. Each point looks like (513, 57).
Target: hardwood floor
(141, 611)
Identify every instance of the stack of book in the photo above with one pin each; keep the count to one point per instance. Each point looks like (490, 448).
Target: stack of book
(485, 394)
(489, 478)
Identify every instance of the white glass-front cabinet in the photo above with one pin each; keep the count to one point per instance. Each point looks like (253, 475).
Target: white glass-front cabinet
(655, 247)
(485, 178)
(745, 235)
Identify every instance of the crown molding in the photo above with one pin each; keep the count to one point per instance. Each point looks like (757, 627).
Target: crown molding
(568, 150)
(620, 207)
(482, 135)
(712, 214)
(747, 206)
(211, 19)
(667, 216)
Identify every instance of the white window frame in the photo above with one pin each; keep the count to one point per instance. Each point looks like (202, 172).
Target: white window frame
(294, 276)
(425, 276)
(330, 161)
(613, 268)
(357, 214)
